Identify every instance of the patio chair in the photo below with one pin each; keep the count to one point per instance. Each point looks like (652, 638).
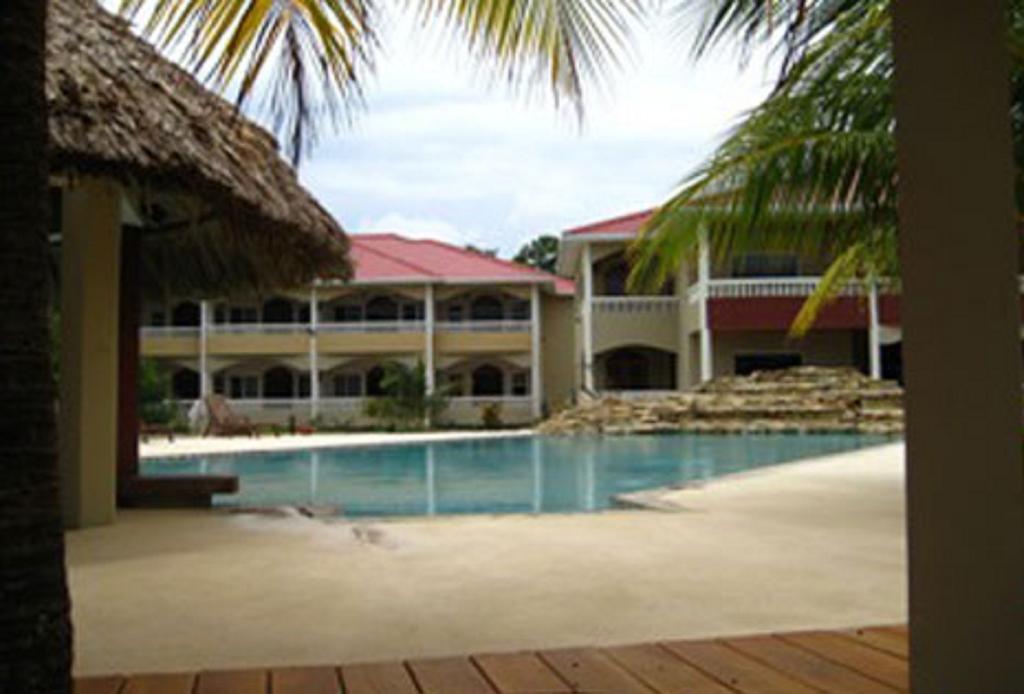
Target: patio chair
(223, 421)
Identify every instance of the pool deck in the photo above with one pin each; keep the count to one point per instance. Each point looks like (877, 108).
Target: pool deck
(810, 545)
(863, 660)
(185, 446)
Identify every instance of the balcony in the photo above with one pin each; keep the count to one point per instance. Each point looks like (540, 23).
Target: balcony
(485, 326)
(483, 336)
(650, 321)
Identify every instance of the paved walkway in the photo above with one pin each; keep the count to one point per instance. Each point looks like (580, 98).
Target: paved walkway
(161, 447)
(817, 544)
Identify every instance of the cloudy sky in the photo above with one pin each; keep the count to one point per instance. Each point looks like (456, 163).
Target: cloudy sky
(440, 151)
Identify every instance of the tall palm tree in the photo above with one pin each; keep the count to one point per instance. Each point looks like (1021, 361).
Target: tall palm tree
(813, 168)
(312, 52)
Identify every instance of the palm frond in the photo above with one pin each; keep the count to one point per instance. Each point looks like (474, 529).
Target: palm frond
(313, 55)
(563, 43)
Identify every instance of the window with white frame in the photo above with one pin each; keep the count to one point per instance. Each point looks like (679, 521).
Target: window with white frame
(348, 313)
(455, 313)
(520, 310)
(244, 387)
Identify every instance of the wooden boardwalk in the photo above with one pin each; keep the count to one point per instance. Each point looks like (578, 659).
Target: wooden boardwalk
(861, 660)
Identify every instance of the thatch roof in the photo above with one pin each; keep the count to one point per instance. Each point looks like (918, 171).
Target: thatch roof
(224, 212)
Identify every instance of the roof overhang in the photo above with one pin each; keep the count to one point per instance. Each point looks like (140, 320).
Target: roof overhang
(571, 247)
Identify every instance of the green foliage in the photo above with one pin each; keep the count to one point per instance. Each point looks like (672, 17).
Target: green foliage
(154, 384)
(406, 403)
(540, 253)
(490, 416)
(812, 170)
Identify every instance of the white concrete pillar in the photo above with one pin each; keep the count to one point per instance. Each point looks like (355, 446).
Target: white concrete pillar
(314, 365)
(587, 315)
(205, 380)
(428, 347)
(959, 253)
(874, 338)
(536, 380)
(90, 287)
(707, 370)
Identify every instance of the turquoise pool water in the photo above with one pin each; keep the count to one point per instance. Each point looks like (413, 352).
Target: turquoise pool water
(507, 475)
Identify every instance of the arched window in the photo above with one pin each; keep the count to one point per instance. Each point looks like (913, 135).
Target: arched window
(381, 308)
(488, 380)
(277, 310)
(374, 377)
(185, 384)
(486, 308)
(185, 314)
(278, 383)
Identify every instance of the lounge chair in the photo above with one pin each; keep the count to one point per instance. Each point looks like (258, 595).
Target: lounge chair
(222, 421)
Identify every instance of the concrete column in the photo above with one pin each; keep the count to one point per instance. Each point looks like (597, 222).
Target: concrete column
(205, 378)
(874, 339)
(314, 365)
(707, 370)
(960, 309)
(536, 380)
(428, 315)
(587, 314)
(90, 282)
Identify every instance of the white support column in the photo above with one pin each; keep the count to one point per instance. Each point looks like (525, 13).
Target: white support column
(89, 368)
(959, 253)
(874, 339)
(205, 380)
(428, 315)
(536, 380)
(703, 282)
(314, 361)
(587, 314)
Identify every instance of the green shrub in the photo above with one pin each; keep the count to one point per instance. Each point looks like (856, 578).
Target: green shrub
(490, 416)
(406, 403)
(154, 384)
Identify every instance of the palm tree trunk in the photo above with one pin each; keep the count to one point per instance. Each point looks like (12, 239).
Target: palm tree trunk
(35, 628)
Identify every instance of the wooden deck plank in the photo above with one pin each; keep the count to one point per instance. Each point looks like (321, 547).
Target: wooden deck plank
(884, 639)
(377, 678)
(734, 669)
(663, 671)
(588, 670)
(304, 680)
(448, 676)
(516, 673)
(233, 682)
(809, 668)
(176, 683)
(869, 661)
(99, 685)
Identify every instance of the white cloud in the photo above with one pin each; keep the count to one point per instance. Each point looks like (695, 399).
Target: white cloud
(440, 153)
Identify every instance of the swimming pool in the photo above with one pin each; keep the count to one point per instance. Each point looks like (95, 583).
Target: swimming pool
(506, 475)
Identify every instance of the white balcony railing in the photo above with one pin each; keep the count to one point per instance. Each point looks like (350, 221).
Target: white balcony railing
(635, 304)
(373, 327)
(485, 326)
(762, 287)
(259, 328)
(170, 331)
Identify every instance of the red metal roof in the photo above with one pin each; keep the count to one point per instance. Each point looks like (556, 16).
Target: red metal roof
(391, 257)
(626, 224)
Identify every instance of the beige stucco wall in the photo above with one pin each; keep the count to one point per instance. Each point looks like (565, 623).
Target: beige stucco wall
(296, 343)
(657, 327)
(820, 348)
(370, 343)
(169, 346)
(452, 342)
(557, 350)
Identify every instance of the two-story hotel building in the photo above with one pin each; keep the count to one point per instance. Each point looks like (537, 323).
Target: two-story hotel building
(712, 319)
(492, 331)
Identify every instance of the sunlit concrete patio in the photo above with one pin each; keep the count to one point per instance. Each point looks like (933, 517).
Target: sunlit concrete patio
(817, 544)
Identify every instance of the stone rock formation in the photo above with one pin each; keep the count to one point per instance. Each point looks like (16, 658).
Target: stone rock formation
(803, 399)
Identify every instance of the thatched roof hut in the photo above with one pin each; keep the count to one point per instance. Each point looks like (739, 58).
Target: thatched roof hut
(220, 210)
